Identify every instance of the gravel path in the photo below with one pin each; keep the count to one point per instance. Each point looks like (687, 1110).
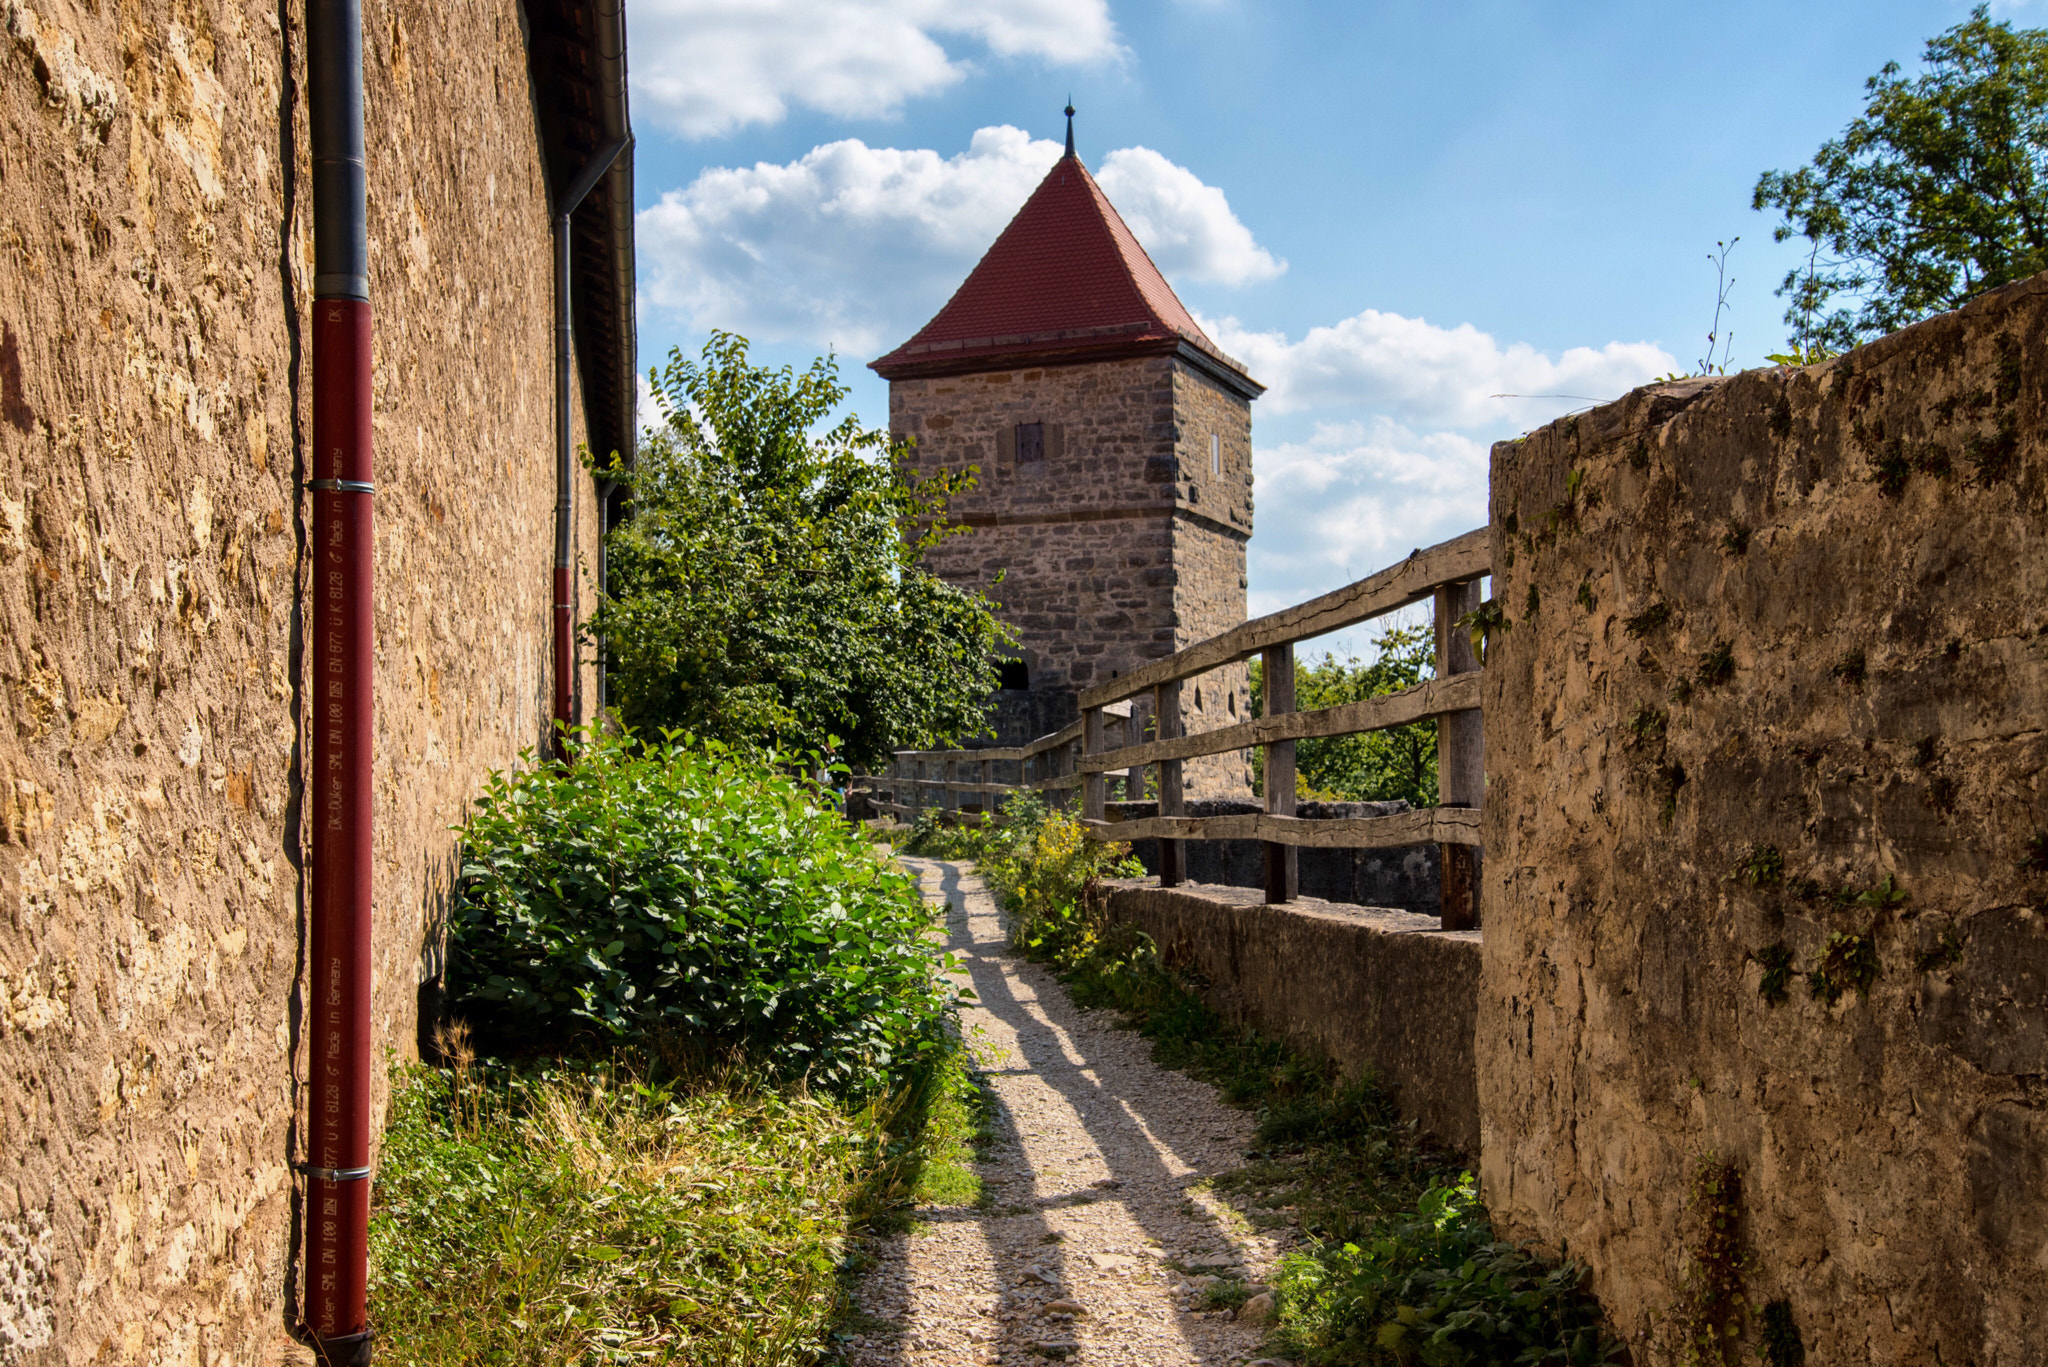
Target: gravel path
(1096, 1226)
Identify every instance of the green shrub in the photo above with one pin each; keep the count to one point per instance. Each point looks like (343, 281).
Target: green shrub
(1040, 860)
(1434, 1287)
(661, 889)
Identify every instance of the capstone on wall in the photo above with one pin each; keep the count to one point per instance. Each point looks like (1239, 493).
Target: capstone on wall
(1767, 840)
(154, 294)
(1123, 543)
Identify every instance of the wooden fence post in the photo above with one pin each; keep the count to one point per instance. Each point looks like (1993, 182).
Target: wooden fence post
(988, 778)
(1093, 787)
(1460, 755)
(1172, 796)
(1283, 862)
(1134, 734)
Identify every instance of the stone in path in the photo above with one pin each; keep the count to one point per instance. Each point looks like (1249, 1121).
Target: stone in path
(1096, 1226)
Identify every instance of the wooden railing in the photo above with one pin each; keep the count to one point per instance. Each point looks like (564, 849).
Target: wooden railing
(1447, 575)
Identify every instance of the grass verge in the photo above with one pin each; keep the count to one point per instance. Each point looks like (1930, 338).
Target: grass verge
(626, 1208)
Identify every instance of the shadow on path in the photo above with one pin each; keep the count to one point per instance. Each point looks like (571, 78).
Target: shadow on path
(1092, 1189)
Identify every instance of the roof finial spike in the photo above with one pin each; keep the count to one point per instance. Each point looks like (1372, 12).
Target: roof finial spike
(1070, 125)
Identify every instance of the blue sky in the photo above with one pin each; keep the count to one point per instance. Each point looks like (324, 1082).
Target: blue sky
(1390, 211)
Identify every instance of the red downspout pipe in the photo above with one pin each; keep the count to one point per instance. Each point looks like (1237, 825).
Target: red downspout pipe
(338, 989)
(565, 458)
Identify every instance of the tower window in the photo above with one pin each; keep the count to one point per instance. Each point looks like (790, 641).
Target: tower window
(1215, 454)
(1030, 442)
(1014, 675)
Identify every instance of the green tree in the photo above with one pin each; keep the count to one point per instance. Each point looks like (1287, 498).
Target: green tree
(1376, 766)
(1937, 193)
(769, 590)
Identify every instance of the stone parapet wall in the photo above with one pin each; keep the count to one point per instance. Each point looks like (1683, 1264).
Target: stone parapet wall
(154, 299)
(1373, 990)
(1767, 840)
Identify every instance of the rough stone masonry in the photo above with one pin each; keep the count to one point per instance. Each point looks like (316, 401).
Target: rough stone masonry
(1122, 542)
(1767, 841)
(154, 277)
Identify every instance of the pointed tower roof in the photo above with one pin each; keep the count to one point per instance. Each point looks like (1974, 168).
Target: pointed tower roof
(1066, 282)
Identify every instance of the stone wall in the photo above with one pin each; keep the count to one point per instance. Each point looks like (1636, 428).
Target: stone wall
(1373, 990)
(154, 290)
(1124, 543)
(1767, 839)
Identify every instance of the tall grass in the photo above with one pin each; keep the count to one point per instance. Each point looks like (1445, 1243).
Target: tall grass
(624, 1209)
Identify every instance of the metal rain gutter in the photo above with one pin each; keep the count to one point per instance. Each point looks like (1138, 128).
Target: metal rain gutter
(338, 697)
(565, 461)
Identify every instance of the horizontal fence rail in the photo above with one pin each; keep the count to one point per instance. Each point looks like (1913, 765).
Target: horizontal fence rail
(1080, 755)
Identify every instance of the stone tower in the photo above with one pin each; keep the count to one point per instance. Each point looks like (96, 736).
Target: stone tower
(1113, 440)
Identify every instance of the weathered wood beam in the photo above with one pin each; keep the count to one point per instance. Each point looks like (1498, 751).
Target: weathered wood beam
(1430, 699)
(1411, 581)
(1428, 826)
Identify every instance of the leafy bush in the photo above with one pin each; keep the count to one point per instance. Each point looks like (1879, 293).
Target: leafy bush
(661, 889)
(1434, 1287)
(765, 590)
(934, 838)
(1040, 859)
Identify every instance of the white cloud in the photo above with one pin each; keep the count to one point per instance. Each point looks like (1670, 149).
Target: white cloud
(1187, 227)
(1399, 458)
(855, 246)
(1412, 370)
(705, 67)
(1357, 496)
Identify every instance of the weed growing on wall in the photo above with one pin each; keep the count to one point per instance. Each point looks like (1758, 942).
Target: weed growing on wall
(1717, 666)
(1779, 1344)
(1710, 1313)
(1648, 620)
(658, 889)
(1848, 960)
(2035, 857)
(1761, 867)
(1776, 960)
(1946, 952)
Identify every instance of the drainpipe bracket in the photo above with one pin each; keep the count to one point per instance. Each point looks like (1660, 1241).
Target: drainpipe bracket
(341, 287)
(341, 486)
(349, 1350)
(335, 1174)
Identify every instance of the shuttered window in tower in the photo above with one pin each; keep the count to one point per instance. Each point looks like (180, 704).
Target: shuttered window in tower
(1030, 442)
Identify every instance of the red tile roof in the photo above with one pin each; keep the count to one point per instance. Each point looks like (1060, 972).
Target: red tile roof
(1066, 281)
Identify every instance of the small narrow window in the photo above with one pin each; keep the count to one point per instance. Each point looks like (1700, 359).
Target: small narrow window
(1015, 674)
(1215, 454)
(1030, 442)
